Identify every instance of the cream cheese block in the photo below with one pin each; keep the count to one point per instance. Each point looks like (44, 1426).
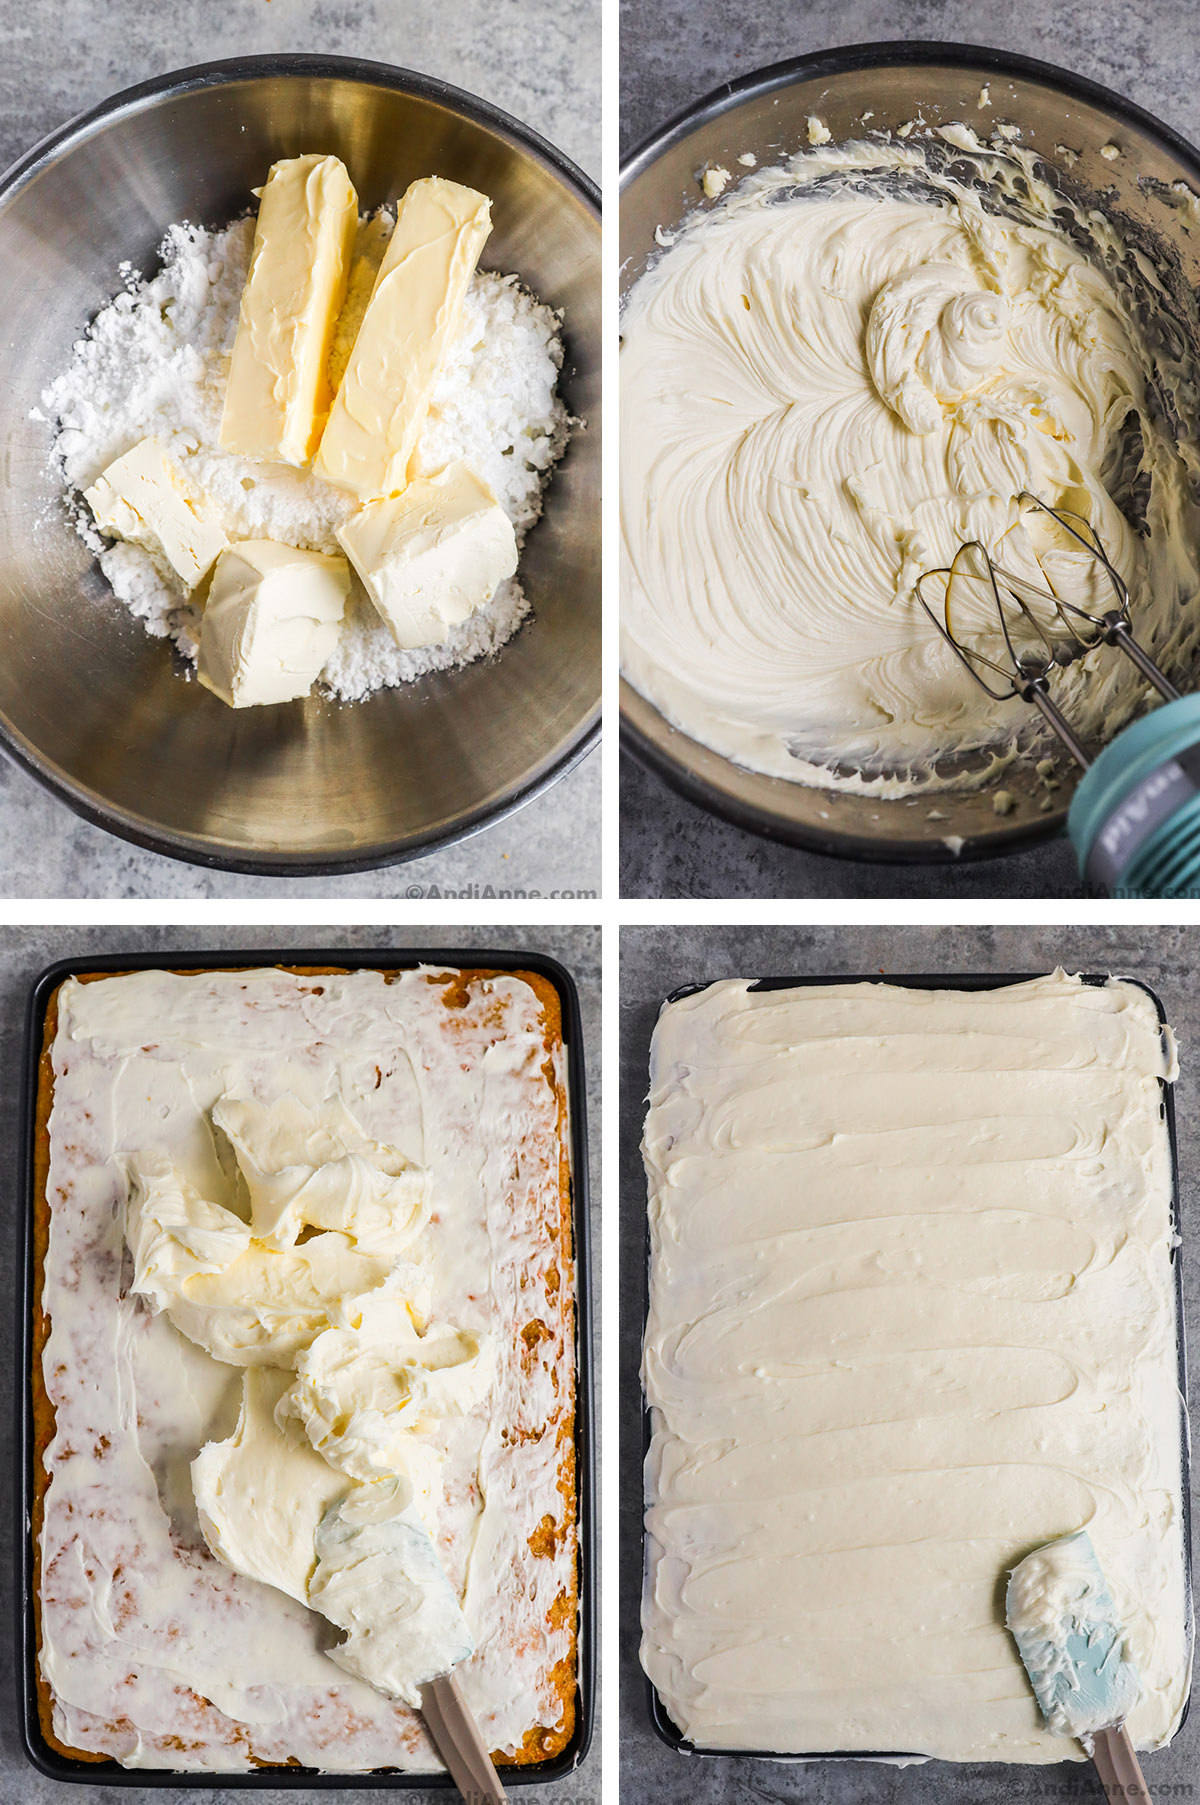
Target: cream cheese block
(271, 622)
(431, 555)
(278, 394)
(409, 325)
(911, 1315)
(141, 498)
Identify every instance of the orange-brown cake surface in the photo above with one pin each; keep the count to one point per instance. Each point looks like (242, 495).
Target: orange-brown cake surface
(151, 1650)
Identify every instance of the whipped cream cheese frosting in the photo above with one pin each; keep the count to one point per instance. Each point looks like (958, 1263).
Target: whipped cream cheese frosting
(852, 365)
(310, 1350)
(911, 1316)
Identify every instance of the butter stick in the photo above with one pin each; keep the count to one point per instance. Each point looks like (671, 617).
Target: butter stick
(278, 396)
(409, 326)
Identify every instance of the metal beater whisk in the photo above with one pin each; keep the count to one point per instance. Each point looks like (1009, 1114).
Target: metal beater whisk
(1026, 674)
(1135, 817)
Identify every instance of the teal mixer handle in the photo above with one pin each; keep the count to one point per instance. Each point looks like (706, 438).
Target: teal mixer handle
(1135, 818)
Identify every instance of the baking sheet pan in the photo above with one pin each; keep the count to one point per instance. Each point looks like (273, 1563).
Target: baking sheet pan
(660, 1718)
(111, 1773)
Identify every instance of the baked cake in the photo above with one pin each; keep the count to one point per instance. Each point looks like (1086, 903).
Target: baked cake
(912, 1314)
(447, 1089)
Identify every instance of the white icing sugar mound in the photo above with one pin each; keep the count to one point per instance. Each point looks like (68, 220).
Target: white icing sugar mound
(155, 362)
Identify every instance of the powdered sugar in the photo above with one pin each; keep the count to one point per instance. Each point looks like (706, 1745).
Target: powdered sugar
(155, 362)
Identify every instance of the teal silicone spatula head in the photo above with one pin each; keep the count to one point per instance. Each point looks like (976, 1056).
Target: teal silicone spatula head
(1063, 1620)
(1061, 1613)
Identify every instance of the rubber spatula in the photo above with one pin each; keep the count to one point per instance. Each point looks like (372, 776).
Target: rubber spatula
(1062, 1617)
(423, 1613)
(456, 1734)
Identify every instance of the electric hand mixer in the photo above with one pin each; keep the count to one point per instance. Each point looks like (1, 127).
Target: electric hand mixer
(1135, 818)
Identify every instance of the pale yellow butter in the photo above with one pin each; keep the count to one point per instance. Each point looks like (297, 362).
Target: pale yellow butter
(278, 396)
(431, 555)
(410, 324)
(141, 498)
(272, 620)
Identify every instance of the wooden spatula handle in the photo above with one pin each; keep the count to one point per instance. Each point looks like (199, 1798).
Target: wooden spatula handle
(1117, 1765)
(459, 1743)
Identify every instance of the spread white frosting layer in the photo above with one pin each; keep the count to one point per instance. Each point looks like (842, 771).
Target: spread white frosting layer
(305, 1166)
(911, 1315)
(852, 365)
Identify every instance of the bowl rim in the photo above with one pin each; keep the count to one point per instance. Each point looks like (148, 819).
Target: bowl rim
(214, 854)
(755, 817)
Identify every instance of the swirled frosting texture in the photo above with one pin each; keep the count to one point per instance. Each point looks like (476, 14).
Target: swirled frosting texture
(433, 1088)
(911, 1315)
(828, 383)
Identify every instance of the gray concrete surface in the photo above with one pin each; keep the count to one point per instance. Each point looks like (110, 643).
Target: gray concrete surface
(539, 61)
(669, 847)
(26, 951)
(672, 53)
(653, 962)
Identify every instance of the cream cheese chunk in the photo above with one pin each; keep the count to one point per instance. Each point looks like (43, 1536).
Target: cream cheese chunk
(379, 1578)
(911, 1315)
(409, 326)
(272, 620)
(430, 556)
(245, 1302)
(278, 395)
(261, 1495)
(141, 498)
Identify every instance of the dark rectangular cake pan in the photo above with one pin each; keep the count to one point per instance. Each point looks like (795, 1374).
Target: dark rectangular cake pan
(660, 1718)
(111, 1773)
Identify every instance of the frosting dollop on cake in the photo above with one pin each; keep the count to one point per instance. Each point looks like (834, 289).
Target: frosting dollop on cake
(372, 1374)
(367, 1384)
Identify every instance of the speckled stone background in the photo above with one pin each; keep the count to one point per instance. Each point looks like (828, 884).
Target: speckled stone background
(654, 961)
(24, 953)
(540, 61)
(672, 53)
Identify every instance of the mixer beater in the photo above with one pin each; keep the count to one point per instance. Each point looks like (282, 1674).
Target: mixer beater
(1135, 817)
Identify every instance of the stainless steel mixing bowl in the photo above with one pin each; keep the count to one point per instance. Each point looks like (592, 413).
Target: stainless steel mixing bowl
(88, 702)
(766, 114)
